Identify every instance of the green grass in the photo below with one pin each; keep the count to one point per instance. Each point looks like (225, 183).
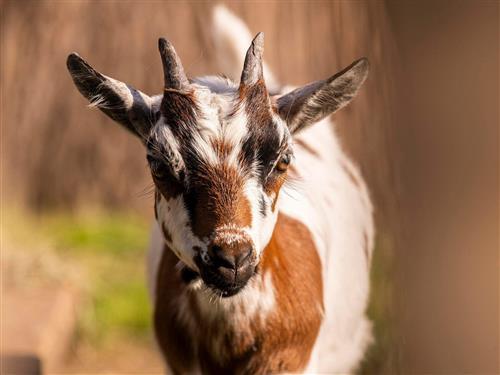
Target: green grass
(109, 251)
(112, 234)
(111, 248)
(381, 356)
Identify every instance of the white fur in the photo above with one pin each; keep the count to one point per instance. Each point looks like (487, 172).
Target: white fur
(214, 123)
(338, 213)
(262, 227)
(173, 215)
(234, 132)
(252, 304)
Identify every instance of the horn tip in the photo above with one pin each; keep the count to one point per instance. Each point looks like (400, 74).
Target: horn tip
(258, 41)
(162, 44)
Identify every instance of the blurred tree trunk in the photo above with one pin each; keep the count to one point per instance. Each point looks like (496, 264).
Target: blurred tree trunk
(447, 110)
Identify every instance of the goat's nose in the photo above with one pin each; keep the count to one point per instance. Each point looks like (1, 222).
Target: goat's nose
(232, 258)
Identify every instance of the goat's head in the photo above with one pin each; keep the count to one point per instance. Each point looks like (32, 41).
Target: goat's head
(218, 154)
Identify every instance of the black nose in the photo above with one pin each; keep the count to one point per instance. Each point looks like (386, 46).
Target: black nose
(230, 264)
(234, 260)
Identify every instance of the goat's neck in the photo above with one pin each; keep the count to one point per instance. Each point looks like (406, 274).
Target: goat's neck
(272, 322)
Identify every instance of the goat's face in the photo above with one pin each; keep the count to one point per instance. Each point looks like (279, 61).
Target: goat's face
(218, 161)
(218, 154)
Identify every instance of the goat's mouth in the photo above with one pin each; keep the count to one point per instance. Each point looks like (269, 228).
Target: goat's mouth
(220, 286)
(222, 282)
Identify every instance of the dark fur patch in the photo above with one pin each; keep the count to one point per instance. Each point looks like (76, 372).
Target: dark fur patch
(180, 112)
(168, 186)
(257, 104)
(188, 275)
(262, 206)
(263, 143)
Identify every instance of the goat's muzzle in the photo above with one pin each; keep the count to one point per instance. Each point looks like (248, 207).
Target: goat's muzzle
(229, 266)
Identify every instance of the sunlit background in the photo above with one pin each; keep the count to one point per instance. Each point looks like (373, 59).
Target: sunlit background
(76, 204)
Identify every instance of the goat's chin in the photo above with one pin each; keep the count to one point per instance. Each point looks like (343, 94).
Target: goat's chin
(228, 292)
(207, 281)
(221, 287)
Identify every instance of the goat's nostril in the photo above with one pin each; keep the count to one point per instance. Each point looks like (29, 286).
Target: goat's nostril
(221, 258)
(216, 250)
(243, 257)
(229, 258)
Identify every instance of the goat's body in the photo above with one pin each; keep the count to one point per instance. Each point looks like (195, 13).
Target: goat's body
(304, 310)
(333, 202)
(330, 199)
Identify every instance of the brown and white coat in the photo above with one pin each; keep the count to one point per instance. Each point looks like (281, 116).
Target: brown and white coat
(260, 252)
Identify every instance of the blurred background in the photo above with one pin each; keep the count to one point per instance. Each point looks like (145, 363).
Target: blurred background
(76, 197)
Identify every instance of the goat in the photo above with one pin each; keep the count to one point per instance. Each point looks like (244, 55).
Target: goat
(260, 257)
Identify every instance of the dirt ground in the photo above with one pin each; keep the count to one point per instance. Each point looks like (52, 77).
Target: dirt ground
(119, 356)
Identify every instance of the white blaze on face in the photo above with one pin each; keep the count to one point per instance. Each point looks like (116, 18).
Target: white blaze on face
(218, 123)
(262, 227)
(173, 216)
(234, 133)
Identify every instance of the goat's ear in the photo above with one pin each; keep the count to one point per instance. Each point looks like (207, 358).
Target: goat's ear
(311, 103)
(121, 102)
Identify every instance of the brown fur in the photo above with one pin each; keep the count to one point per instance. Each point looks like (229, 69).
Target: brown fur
(257, 104)
(280, 343)
(220, 200)
(273, 185)
(170, 330)
(221, 148)
(179, 109)
(169, 188)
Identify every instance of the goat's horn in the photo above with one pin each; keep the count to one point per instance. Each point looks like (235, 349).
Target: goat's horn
(173, 72)
(252, 69)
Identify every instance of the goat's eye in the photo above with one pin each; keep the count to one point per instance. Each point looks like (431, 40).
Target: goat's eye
(283, 163)
(158, 168)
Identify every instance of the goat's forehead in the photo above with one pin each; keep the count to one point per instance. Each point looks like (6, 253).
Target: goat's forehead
(230, 118)
(221, 130)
